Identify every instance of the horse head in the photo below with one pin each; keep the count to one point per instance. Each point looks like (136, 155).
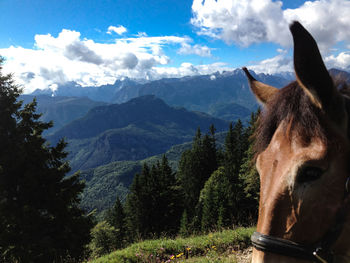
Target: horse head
(302, 156)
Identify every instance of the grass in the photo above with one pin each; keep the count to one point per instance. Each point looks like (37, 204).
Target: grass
(214, 247)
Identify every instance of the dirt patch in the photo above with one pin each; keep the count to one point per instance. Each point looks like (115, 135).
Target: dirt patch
(244, 256)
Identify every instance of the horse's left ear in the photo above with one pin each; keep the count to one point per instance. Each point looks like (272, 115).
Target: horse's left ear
(311, 73)
(262, 91)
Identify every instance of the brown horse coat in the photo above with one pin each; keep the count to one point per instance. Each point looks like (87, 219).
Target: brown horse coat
(303, 153)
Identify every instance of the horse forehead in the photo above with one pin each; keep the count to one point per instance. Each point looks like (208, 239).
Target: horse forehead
(278, 165)
(286, 149)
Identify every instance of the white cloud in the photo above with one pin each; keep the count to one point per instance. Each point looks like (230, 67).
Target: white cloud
(327, 20)
(342, 61)
(284, 63)
(256, 21)
(119, 30)
(188, 69)
(68, 57)
(141, 34)
(149, 41)
(240, 22)
(280, 63)
(199, 50)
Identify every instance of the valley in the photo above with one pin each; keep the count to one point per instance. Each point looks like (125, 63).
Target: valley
(113, 129)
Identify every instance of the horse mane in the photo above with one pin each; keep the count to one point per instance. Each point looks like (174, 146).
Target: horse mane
(293, 105)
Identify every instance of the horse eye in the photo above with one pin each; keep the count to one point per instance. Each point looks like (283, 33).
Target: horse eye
(309, 174)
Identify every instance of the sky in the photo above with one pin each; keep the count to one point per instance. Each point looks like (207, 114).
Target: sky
(47, 43)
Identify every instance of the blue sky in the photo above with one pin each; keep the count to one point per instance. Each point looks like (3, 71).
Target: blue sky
(48, 43)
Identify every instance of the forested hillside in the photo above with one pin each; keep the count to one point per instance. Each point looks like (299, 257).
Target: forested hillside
(212, 188)
(140, 128)
(104, 183)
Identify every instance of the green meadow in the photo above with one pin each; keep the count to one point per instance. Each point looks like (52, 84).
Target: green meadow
(220, 246)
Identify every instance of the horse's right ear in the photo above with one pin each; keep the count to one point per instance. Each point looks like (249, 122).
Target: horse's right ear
(311, 73)
(262, 92)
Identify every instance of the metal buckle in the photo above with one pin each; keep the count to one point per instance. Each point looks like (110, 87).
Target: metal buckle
(347, 184)
(316, 253)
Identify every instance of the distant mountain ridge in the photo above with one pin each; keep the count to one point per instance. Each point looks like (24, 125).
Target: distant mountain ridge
(125, 89)
(61, 110)
(140, 111)
(340, 74)
(223, 95)
(134, 130)
(199, 93)
(102, 93)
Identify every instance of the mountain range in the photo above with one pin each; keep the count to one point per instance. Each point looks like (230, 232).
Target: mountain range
(60, 109)
(111, 130)
(224, 95)
(139, 128)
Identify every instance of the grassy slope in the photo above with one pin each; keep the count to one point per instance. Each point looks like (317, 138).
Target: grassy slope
(214, 247)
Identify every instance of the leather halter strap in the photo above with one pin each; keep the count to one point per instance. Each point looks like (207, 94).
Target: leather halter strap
(281, 246)
(319, 252)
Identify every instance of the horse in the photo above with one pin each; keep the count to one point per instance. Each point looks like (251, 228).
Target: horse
(302, 145)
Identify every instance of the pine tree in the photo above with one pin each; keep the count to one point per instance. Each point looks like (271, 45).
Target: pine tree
(249, 175)
(184, 225)
(216, 200)
(210, 201)
(234, 148)
(227, 184)
(40, 220)
(195, 167)
(116, 218)
(209, 151)
(231, 187)
(133, 206)
(154, 205)
(189, 174)
(170, 199)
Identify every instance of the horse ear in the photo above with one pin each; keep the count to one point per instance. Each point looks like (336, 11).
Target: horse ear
(311, 73)
(262, 92)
